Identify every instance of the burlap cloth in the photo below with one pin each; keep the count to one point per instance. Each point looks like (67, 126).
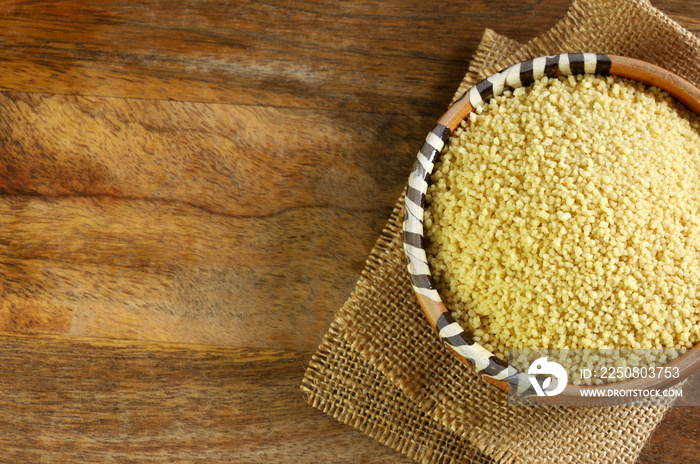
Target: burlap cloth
(381, 369)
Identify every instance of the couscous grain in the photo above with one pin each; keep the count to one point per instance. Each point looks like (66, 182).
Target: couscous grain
(566, 215)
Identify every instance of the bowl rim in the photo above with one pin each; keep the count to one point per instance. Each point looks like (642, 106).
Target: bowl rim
(490, 367)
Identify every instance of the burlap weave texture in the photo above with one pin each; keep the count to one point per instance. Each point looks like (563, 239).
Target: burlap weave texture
(382, 370)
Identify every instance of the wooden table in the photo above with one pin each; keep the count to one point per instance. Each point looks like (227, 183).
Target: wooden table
(189, 192)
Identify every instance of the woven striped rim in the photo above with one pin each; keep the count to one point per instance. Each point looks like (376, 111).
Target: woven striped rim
(457, 340)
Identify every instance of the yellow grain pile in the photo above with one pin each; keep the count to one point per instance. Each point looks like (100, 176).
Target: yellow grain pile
(565, 215)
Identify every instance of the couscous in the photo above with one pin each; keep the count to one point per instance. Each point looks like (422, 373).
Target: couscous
(566, 215)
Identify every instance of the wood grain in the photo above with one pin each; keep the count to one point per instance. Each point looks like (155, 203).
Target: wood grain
(675, 440)
(391, 56)
(188, 222)
(76, 400)
(211, 173)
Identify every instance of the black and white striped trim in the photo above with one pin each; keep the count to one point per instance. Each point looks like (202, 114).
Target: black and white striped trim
(527, 72)
(518, 75)
(415, 203)
(483, 361)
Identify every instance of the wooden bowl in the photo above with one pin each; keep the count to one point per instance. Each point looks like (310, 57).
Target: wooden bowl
(489, 366)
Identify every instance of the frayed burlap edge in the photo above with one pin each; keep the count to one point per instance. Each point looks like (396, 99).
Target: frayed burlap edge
(349, 387)
(632, 28)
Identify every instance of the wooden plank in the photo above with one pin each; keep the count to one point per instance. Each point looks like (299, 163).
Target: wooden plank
(189, 222)
(131, 269)
(80, 400)
(223, 159)
(675, 440)
(353, 55)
